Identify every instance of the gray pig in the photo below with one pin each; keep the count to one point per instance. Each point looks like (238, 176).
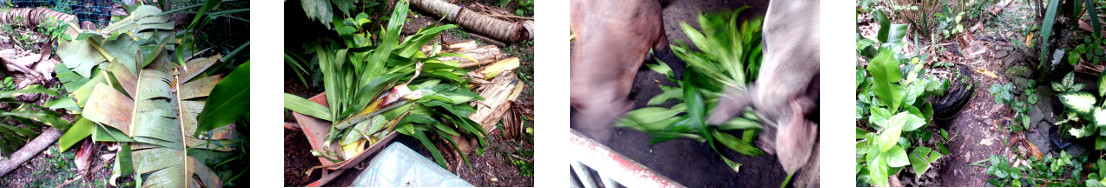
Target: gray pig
(786, 91)
(613, 38)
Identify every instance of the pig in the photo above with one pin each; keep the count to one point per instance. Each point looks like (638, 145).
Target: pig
(786, 91)
(613, 39)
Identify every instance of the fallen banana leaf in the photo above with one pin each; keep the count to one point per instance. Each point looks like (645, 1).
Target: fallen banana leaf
(160, 121)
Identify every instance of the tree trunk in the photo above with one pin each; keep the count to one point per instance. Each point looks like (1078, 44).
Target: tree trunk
(473, 21)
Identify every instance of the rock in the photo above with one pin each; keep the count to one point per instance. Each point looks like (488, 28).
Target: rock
(1042, 117)
(1001, 54)
(1020, 84)
(1019, 71)
(1076, 149)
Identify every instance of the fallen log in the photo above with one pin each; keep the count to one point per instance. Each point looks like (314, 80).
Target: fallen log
(497, 100)
(475, 21)
(483, 54)
(29, 151)
(32, 17)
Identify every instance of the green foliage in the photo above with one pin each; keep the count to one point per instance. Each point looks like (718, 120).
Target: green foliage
(1004, 174)
(1090, 50)
(229, 101)
(1048, 172)
(1022, 105)
(524, 163)
(52, 28)
(950, 25)
(1067, 84)
(1084, 110)
(730, 57)
(1096, 177)
(898, 112)
(31, 115)
(118, 65)
(525, 8)
(1003, 93)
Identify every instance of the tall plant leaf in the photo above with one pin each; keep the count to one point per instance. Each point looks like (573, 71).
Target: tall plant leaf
(1046, 29)
(229, 100)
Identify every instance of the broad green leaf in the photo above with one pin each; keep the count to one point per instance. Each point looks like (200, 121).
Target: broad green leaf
(318, 10)
(877, 169)
(879, 117)
(229, 100)
(885, 72)
(890, 134)
(80, 130)
(896, 34)
(1079, 101)
(739, 124)
(920, 159)
(884, 26)
(912, 121)
(895, 157)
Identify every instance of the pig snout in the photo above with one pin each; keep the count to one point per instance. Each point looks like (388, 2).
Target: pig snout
(613, 39)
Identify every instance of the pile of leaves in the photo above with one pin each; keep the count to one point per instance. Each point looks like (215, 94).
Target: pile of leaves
(375, 87)
(173, 121)
(730, 58)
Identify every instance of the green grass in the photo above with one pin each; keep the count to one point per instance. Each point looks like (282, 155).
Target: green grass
(458, 33)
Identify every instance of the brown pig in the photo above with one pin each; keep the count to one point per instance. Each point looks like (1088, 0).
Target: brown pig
(613, 38)
(786, 91)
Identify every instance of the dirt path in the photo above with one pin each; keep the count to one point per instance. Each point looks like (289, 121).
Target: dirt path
(977, 132)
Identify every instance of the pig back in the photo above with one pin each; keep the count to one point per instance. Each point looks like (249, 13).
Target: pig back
(613, 38)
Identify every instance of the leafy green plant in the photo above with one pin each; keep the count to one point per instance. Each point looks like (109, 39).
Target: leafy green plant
(730, 57)
(950, 25)
(1095, 178)
(1090, 50)
(525, 8)
(1067, 84)
(1081, 105)
(1047, 172)
(364, 82)
(1004, 95)
(52, 28)
(1004, 174)
(525, 167)
(895, 111)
